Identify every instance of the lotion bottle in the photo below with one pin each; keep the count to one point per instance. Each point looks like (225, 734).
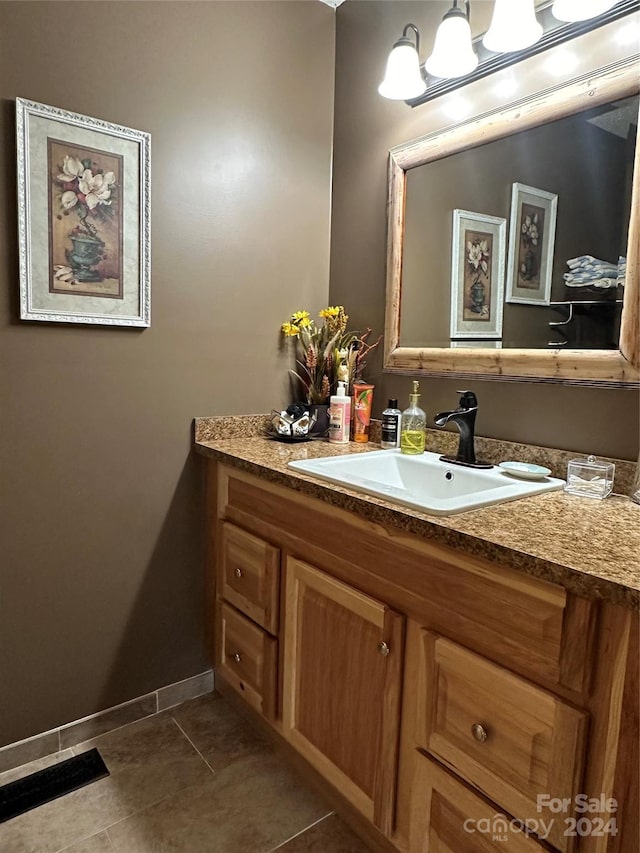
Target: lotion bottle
(340, 416)
(414, 425)
(391, 426)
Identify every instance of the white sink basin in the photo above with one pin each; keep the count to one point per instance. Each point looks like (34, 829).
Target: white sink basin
(423, 482)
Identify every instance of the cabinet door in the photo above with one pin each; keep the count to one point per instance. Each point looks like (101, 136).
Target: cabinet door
(342, 682)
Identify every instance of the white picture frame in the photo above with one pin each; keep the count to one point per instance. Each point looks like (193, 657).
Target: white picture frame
(477, 275)
(83, 218)
(532, 234)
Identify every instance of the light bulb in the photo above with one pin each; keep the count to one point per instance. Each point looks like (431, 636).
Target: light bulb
(514, 26)
(580, 10)
(453, 54)
(402, 79)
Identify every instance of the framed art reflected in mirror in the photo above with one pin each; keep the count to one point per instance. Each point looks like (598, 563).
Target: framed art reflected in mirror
(477, 275)
(532, 234)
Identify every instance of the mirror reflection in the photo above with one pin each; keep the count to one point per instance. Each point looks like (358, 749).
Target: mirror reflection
(501, 272)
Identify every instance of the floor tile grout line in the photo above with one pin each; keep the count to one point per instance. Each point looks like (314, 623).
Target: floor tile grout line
(80, 841)
(166, 796)
(112, 846)
(302, 831)
(193, 744)
(143, 809)
(58, 731)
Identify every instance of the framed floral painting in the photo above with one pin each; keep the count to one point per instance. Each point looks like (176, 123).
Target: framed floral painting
(83, 218)
(532, 234)
(477, 275)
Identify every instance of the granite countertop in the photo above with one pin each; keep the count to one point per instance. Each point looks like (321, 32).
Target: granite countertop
(590, 547)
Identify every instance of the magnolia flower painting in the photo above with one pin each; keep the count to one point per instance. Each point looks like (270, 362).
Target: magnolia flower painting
(532, 231)
(86, 222)
(530, 249)
(477, 275)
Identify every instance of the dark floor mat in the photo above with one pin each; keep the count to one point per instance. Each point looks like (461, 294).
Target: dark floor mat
(45, 785)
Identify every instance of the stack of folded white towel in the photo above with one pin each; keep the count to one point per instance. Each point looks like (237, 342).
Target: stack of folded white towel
(587, 271)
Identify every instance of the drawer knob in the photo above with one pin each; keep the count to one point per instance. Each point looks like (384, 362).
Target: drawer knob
(383, 648)
(479, 732)
(238, 573)
(237, 658)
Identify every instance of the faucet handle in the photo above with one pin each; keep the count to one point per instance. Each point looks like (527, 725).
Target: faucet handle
(468, 400)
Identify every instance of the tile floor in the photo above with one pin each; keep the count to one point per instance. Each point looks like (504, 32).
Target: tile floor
(193, 779)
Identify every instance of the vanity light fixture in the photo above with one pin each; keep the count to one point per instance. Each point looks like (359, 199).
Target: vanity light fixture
(580, 10)
(514, 26)
(453, 54)
(519, 29)
(403, 79)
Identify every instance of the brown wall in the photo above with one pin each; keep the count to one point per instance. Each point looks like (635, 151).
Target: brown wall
(100, 523)
(603, 421)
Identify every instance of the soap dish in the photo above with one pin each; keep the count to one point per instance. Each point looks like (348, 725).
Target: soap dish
(525, 470)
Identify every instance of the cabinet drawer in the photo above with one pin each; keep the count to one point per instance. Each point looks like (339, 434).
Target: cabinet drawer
(446, 817)
(506, 736)
(247, 659)
(250, 576)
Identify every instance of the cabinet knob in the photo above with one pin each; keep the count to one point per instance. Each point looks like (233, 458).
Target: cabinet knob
(479, 732)
(383, 648)
(237, 658)
(238, 573)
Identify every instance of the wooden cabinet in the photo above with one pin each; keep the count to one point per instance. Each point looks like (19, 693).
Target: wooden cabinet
(429, 686)
(505, 735)
(342, 683)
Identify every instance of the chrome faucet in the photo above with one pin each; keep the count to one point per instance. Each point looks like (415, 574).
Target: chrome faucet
(464, 417)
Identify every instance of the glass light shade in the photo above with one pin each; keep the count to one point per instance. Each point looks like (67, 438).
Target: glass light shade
(513, 27)
(580, 10)
(453, 54)
(402, 79)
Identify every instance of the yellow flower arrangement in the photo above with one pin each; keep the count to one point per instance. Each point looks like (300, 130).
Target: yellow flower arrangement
(326, 353)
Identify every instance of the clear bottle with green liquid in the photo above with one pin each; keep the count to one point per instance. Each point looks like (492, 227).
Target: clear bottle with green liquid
(413, 425)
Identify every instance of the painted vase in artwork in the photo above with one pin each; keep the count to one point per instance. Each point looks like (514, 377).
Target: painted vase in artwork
(477, 296)
(529, 266)
(85, 255)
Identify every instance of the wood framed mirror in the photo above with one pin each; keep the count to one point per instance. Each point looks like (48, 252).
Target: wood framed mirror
(615, 367)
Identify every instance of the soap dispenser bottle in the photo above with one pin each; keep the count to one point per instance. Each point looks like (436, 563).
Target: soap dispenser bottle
(414, 425)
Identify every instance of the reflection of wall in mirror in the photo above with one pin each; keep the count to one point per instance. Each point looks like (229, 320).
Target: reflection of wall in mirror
(588, 167)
